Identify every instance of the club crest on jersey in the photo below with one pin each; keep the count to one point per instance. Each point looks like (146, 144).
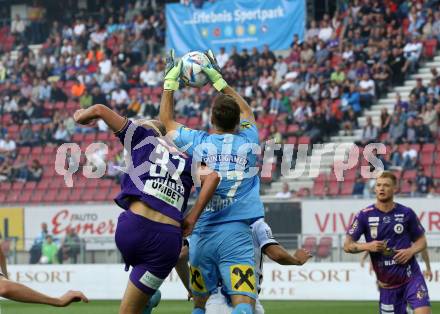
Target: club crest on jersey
(398, 228)
(373, 222)
(373, 231)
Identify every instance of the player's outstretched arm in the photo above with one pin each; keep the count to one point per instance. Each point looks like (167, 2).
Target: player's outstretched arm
(171, 83)
(18, 292)
(214, 74)
(115, 121)
(278, 254)
(353, 247)
(210, 180)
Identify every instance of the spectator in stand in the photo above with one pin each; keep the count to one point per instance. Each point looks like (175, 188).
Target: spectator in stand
(35, 251)
(27, 136)
(410, 131)
(359, 186)
(430, 118)
(385, 120)
(70, 247)
(396, 131)
(285, 193)
(86, 100)
(7, 146)
(424, 182)
(367, 91)
(35, 171)
(222, 57)
(409, 156)
(49, 251)
(412, 52)
(61, 135)
(18, 27)
(77, 89)
(20, 171)
(369, 132)
(422, 132)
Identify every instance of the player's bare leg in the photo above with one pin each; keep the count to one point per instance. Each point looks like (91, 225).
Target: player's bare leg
(134, 300)
(423, 310)
(241, 303)
(199, 304)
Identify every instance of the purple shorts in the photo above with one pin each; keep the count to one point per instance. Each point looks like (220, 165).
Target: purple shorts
(151, 248)
(414, 293)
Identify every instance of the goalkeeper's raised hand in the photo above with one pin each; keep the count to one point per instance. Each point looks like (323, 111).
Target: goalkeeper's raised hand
(214, 73)
(172, 72)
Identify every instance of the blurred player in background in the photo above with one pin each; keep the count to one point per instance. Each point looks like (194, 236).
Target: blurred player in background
(393, 237)
(264, 243)
(17, 292)
(221, 245)
(154, 194)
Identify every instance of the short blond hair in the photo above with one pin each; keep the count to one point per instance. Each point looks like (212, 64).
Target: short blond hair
(388, 175)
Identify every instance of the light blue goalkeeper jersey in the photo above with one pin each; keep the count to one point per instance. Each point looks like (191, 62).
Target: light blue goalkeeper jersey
(234, 157)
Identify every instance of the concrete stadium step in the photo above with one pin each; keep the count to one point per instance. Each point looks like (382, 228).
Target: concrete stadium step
(293, 184)
(403, 89)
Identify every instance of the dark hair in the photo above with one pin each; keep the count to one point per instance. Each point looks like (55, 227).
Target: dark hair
(225, 113)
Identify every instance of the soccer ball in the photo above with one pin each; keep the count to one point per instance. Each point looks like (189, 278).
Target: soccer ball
(192, 73)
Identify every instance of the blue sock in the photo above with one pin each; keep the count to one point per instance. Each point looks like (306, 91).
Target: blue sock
(154, 301)
(198, 310)
(243, 308)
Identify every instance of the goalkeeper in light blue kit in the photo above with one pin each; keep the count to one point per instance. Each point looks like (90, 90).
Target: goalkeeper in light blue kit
(221, 243)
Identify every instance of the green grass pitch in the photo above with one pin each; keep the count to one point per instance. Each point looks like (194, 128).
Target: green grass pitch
(181, 307)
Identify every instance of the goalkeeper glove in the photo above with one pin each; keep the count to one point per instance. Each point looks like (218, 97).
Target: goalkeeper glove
(172, 72)
(214, 73)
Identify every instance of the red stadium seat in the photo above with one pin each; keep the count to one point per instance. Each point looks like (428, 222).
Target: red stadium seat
(292, 128)
(30, 186)
(429, 47)
(409, 174)
(25, 196)
(405, 186)
(310, 244)
(304, 140)
(322, 177)
(428, 148)
(324, 247)
(347, 188)
(426, 158)
(436, 172)
(291, 140)
(333, 189)
(18, 186)
(13, 197)
(318, 188)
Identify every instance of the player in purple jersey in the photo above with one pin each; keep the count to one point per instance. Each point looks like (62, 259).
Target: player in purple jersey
(393, 235)
(154, 193)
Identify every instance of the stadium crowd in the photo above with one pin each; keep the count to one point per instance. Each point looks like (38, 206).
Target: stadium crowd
(320, 86)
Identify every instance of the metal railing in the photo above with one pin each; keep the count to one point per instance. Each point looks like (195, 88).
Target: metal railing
(326, 248)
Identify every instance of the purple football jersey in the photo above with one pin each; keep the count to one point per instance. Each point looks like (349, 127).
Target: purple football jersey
(154, 175)
(398, 228)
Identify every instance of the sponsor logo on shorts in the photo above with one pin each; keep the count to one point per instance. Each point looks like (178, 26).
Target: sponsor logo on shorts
(243, 278)
(387, 307)
(151, 281)
(398, 228)
(196, 280)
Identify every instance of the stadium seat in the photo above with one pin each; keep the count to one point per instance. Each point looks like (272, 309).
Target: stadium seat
(2, 198)
(347, 187)
(30, 186)
(101, 195)
(50, 196)
(324, 247)
(436, 172)
(310, 244)
(18, 186)
(292, 128)
(322, 177)
(429, 47)
(318, 188)
(409, 174)
(333, 188)
(5, 186)
(405, 187)
(25, 196)
(426, 158)
(428, 148)
(13, 197)
(291, 140)
(304, 140)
